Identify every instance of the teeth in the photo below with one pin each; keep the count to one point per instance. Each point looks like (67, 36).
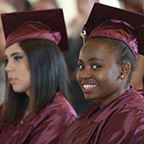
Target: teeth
(89, 86)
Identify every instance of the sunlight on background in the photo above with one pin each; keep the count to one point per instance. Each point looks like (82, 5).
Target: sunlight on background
(114, 3)
(70, 10)
(69, 7)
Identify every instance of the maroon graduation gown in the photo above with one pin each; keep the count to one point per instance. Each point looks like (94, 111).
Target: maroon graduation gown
(46, 127)
(120, 122)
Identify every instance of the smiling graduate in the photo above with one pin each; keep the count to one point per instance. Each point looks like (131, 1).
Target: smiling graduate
(112, 40)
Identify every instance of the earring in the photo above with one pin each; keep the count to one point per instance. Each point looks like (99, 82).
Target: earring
(122, 76)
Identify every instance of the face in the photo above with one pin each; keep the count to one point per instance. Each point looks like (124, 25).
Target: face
(17, 69)
(98, 74)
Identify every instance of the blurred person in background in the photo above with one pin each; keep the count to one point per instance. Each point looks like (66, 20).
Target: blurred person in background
(45, 4)
(5, 7)
(21, 5)
(83, 7)
(75, 44)
(138, 74)
(133, 5)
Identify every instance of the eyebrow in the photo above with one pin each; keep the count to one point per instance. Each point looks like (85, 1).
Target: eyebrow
(15, 53)
(91, 59)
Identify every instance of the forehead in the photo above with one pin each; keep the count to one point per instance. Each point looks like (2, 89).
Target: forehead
(101, 44)
(13, 48)
(97, 48)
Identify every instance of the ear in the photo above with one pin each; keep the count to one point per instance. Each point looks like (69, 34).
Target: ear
(125, 70)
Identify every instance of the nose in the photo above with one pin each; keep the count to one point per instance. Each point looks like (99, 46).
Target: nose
(8, 67)
(86, 73)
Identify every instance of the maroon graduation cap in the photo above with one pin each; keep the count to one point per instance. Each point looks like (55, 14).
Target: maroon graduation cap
(111, 22)
(40, 24)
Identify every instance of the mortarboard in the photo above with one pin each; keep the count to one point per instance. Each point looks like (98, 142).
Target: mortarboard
(40, 24)
(111, 22)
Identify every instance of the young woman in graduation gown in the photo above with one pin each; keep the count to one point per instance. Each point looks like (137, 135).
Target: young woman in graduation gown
(106, 61)
(36, 109)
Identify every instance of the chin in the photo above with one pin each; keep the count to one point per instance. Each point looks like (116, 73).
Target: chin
(91, 97)
(17, 90)
(88, 97)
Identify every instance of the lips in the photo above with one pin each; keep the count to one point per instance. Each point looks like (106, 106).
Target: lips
(88, 87)
(12, 80)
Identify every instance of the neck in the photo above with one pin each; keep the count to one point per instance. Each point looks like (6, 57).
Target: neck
(112, 97)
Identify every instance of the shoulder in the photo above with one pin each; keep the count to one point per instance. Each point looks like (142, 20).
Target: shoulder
(130, 105)
(129, 116)
(62, 105)
(53, 120)
(59, 112)
(126, 119)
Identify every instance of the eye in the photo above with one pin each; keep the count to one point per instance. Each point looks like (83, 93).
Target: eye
(17, 58)
(96, 66)
(81, 66)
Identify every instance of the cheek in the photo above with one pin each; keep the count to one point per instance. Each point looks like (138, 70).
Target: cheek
(100, 74)
(26, 75)
(103, 76)
(27, 78)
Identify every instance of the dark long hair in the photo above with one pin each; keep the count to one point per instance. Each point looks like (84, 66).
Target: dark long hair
(48, 75)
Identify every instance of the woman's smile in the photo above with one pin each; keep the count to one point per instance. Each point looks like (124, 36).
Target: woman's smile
(88, 87)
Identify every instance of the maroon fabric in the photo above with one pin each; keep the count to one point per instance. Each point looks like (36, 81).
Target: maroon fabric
(46, 127)
(120, 30)
(141, 92)
(52, 18)
(129, 29)
(33, 30)
(120, 122)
